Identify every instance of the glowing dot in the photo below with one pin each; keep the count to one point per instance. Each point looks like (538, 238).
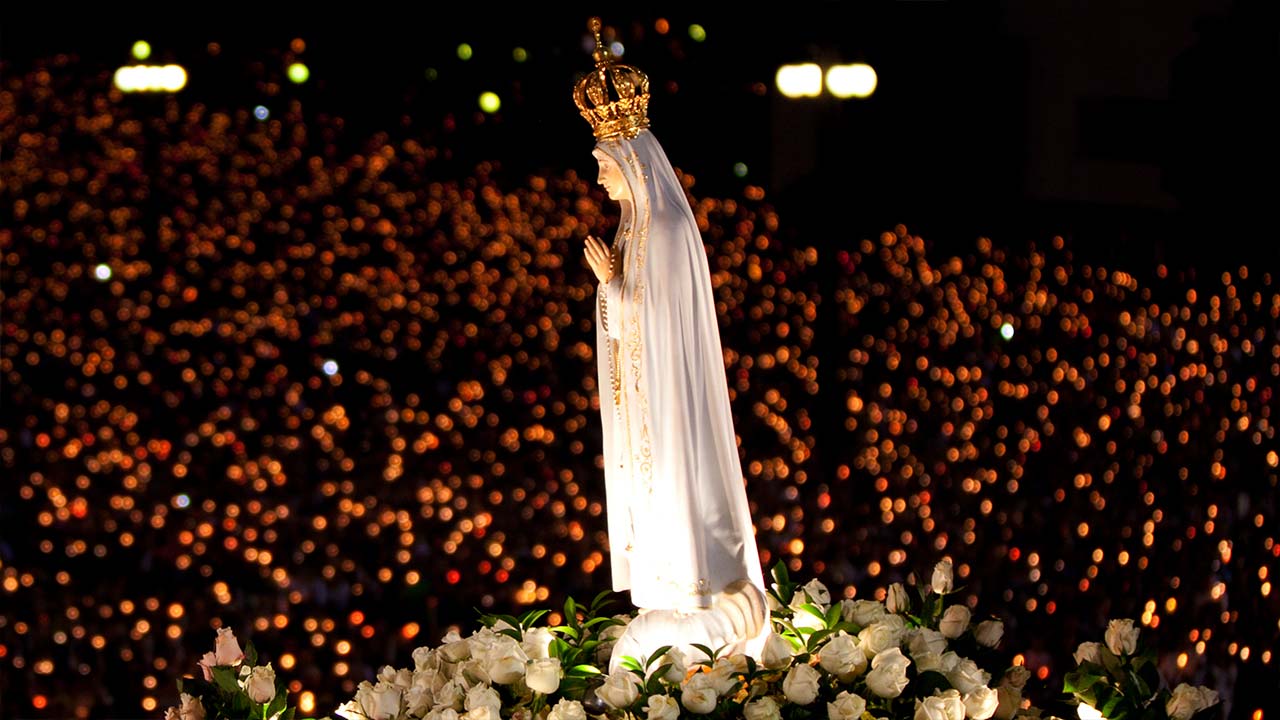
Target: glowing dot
(846, 81)
(141, 50)
(804, 80)
(1006, 331)
(330, 367)
(299, 73)
(616, 48)
(432, 74)
(102, 272)
(740, 169)
(490, 102)
(182, 501)
(519, 54)
(464, 52)
(697, 33)
(307, 702)
(261, 112)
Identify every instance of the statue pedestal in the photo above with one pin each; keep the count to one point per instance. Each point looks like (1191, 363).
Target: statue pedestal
(737, 621)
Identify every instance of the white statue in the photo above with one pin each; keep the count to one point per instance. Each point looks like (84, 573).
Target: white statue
(680, 532)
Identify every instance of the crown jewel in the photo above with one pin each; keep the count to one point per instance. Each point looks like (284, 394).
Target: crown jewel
(625, 110)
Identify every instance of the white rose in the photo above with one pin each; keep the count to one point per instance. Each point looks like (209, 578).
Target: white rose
(537, 643)
(801, 684)
(981, 703)
(930, 708)
(424, 658)
(402, 678)
(679, 665)
(888, 676)
(765, 708)
(1016, 677)
(543, 675)
(1088, 652)
(190, 708)
(568, 710)
(419, 699)
(452, 694)
(662, 707)
(954, 622)
(1088, 712)
(454, 648)
(777, 652)
(966, 676)
(698, 696)
(881, 635)
(952, 704)
(260, 685)
(928, 662)
(862, 612)
(1187, 701)
(723, 674)
(442, 713)
(505, 660)
(847, 706)
(942, 578)
(842, 657)
(350, 710)
(472, 672)
(481, 696)
(925, 641)
(226, 648)
(386, 701)
(812, 592)
(989, 632)
(207, 663)
(897, 600)
(1121, 637)
(484, 712)
(619, 689)
(365, 702)
(1009, 699)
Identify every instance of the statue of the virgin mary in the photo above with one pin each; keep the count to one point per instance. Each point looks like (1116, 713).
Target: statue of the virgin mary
(680, 532)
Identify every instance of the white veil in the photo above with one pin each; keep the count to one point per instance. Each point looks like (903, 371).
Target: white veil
(679, 524)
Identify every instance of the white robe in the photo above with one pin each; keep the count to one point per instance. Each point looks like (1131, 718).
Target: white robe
(680, 529)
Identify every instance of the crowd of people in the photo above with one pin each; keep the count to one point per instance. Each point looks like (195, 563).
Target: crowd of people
(338, 394)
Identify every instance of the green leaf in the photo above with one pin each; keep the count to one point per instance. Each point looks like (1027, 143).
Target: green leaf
(279, 702)
(601, 601)
(780, 573)
(656, 655)
(630, 663)
(570, 612)
(566, 630)
(833, 615)
(532, 617)
(706, 650)
(250, 654)
(816, 638)
(225, 678)
(288, 714)
(815, 611)
(605, 620)
(584, 670)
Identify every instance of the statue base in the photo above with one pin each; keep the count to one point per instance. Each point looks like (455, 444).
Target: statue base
(736, 622)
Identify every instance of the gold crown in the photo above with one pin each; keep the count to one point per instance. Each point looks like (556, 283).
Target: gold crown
(629, 113)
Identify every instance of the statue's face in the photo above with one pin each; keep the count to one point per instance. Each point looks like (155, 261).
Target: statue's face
(611, 178)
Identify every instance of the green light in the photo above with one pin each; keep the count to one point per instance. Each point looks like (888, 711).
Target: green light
(299, 73)
(464, 52)
(490, 102)
(432, 74)
(141, 50)
(698, 33)
(520, 54)
(740, 169)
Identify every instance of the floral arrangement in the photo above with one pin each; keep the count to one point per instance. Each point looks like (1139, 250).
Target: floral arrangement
(1118, 680)
(232, 686)
(918, 655)
(846, 660)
